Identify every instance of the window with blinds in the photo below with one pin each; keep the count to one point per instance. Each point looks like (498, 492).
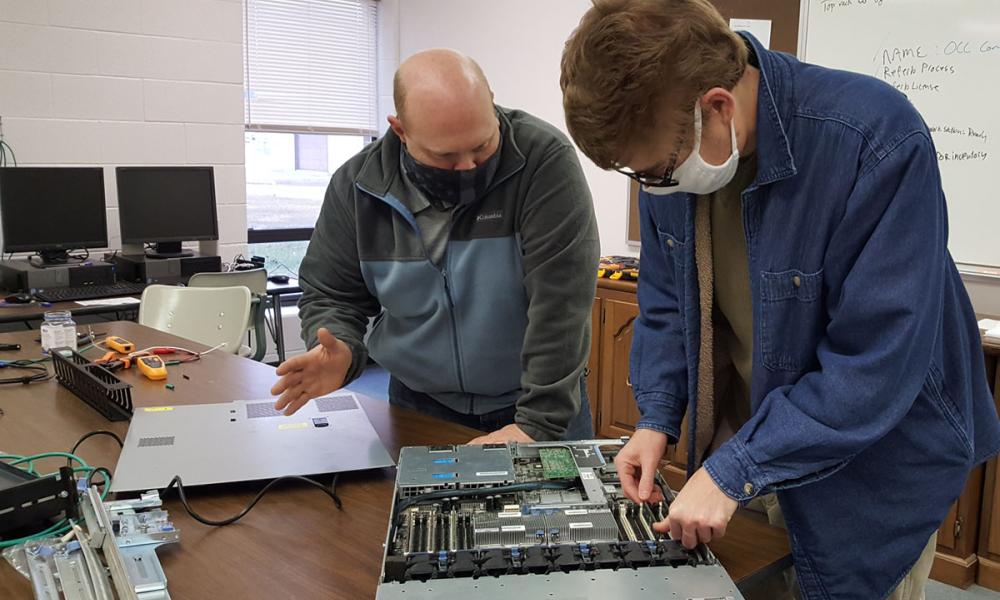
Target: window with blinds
(311, 65)
(311, 104)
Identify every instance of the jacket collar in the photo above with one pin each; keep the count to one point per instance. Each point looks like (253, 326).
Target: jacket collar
(774, 107)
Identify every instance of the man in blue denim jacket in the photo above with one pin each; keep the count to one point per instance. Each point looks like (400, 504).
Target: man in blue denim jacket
(866, 403)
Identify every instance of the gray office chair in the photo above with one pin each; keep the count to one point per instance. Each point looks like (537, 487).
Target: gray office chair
(254, 280)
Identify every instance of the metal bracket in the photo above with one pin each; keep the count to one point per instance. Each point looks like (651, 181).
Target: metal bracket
(129, 532)
(126, 532)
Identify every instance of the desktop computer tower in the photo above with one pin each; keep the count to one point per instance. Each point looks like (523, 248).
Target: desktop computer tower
(167, 271)
(22, 276)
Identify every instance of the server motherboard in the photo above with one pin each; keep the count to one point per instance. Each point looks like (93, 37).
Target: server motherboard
(539, 520)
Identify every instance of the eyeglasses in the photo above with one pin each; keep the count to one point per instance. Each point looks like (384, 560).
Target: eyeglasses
(665, 180)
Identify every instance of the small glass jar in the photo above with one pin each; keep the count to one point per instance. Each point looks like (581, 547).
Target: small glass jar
(58, 330)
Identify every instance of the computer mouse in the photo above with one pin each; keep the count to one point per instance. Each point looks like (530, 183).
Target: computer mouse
(278, 278)
(21, 298)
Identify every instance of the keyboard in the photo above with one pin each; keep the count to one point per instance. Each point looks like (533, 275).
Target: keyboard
(90, 292)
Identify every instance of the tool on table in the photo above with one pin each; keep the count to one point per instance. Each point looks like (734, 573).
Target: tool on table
(152, 367)
(119, 344)
(110, 361)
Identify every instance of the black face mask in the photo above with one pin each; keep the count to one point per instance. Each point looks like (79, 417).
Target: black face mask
(445, 188)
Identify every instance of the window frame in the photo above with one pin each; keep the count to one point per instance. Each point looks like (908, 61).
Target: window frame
(295, 234)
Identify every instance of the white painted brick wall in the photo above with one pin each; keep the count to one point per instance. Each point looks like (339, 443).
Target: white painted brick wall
(128, 82)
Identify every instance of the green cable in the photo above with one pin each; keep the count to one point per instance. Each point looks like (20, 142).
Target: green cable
(30, 468)
(35, 457)
(18, 457)
(59, 528)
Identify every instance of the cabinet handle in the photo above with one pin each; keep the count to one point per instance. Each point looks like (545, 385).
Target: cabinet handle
(628, 380)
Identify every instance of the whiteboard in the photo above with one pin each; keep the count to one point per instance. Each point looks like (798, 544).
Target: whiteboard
(945, 56)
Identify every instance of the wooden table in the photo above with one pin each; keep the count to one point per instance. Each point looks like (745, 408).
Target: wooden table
(295, 543)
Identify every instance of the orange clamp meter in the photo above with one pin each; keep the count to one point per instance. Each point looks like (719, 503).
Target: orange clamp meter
(152, 367)
(119, 344)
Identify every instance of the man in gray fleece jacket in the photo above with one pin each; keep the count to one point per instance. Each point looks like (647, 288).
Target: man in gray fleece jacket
(468, 232)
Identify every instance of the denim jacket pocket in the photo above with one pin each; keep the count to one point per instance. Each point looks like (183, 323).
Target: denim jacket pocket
(676, 251)
(674, 248)
(791, 318)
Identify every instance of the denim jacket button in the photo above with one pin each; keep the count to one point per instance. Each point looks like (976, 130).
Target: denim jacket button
(670, 243)
(797, 281)
(748, 488)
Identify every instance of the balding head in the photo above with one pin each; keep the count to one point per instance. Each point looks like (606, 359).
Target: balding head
(444, 109)
(439, 75)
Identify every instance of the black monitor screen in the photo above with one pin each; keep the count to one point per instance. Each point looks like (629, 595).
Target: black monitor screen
(52, 208)
(166, 204)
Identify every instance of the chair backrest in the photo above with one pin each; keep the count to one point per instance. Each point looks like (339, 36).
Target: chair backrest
(255, 280)
(210, 316)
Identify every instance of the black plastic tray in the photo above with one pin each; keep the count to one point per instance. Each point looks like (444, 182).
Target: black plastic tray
(93, 384)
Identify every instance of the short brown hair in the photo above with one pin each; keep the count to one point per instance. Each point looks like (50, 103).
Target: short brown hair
(628, 58)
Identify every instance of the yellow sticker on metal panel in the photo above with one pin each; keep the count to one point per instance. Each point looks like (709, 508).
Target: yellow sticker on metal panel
(293, 425)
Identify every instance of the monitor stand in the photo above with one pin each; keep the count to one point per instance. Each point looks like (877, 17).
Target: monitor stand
(168, 250)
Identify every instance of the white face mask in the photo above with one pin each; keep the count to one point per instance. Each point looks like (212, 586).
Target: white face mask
(694, 175)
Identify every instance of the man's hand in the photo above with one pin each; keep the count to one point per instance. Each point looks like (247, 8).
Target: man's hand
(637, 463)
(699, 513)
(510, 433)
(320, 371)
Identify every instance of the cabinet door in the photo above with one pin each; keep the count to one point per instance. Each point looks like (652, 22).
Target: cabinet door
(989, 533)
(594, 364)
(619, 413)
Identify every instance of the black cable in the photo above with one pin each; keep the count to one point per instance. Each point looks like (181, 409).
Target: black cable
(87, 436)
(41, 373)
(80, 257)
(333, 490)
(104, 472)
(176, 481)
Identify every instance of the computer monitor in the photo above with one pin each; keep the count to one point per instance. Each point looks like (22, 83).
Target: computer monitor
(52, 210)
(166, 206)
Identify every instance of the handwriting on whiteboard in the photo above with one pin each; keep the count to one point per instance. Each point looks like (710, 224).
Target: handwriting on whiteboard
(830, 6)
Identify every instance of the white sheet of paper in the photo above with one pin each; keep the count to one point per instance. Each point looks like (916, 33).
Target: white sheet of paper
(109, 301)
(760, 28)
(993, 333)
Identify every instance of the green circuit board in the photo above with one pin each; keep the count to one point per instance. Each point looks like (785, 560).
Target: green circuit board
(557, 463)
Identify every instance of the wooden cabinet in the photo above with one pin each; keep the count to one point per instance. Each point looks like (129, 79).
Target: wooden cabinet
(989, 532)
(615, 309)
(618, 410)
(609, 385)
(966, 552)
